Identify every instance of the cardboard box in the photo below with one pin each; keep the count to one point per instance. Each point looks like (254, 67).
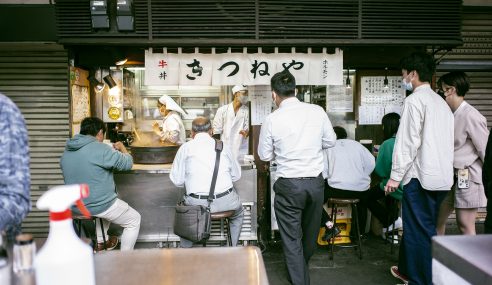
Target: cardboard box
(342, 212)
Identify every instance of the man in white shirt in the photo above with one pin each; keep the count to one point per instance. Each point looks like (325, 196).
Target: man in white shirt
(294, 135)
(349, 166)
(231, 122)
(193, 168)
(423, 162)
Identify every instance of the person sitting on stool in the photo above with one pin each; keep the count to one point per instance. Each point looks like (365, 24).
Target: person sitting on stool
(193, 167)
(88, 160)
(348, 166)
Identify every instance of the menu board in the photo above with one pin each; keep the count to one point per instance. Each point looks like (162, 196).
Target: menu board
(80, 98)
(261, 103)
(378, 100)
(339, 98)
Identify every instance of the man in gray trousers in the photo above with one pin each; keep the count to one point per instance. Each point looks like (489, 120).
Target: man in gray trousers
(294, 135)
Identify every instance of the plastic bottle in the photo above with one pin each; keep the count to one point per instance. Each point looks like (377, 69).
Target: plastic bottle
(64, 258)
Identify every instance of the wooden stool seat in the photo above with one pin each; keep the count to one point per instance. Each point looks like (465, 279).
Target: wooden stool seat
(342, 201)
(221, 215)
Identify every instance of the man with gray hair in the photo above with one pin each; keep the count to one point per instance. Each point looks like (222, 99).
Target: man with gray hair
(193, 167)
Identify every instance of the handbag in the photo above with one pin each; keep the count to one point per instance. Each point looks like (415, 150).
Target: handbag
(193, 222)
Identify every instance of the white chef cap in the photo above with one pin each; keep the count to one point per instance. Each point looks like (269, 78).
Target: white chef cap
(238, 88)
(171, 104)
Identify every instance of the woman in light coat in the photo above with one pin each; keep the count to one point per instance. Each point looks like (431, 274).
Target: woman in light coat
(470, 140)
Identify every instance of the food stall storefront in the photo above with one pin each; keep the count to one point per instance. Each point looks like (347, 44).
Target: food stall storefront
(342, 58)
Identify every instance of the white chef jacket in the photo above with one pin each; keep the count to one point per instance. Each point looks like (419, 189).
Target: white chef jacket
(173, 129)
(424, 143)
(349, 166)
(294, 135)
(194, 164)
(228, 124)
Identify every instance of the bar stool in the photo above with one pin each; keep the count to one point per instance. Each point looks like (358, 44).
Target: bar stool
(223, 217)
(393, 215)
(335, 202)
(78, 225)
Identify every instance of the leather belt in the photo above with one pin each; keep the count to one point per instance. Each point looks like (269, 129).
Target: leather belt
(215, 196)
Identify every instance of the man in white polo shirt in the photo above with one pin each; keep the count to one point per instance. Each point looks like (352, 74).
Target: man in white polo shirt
(193, 169)
(294, 135)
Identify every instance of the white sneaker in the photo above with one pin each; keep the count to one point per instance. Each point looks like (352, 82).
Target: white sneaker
(398, 224)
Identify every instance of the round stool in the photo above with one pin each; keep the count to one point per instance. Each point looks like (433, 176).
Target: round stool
(78, 225)
(223, 217)
(335, 202)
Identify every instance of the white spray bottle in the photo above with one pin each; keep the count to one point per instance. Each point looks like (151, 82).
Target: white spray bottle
(64, 258)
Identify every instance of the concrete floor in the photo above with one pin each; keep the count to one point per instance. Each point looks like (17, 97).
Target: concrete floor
(346, 268)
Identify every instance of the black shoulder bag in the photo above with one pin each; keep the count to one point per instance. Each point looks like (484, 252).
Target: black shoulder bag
(193, 222)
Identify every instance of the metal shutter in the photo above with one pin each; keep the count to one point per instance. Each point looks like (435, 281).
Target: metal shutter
(35, 77)
(474, 57)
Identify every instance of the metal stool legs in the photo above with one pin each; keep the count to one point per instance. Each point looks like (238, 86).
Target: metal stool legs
(355, 218)
(78, 224)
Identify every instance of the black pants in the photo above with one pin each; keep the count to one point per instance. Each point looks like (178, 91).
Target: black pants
(382, 211)
(298, 205)
(346, 194)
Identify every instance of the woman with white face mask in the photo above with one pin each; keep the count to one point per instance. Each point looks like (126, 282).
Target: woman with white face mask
(173, 130)
(231, 122)
(470, 140)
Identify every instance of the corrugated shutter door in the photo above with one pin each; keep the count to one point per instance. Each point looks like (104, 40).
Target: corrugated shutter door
(35, 77)
(475, 58)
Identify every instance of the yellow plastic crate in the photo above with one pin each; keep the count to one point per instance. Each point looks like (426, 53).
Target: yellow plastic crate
(344, 225)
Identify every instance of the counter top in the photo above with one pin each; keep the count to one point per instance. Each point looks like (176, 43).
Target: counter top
(468, 256)
(223, 265)
(166, 168)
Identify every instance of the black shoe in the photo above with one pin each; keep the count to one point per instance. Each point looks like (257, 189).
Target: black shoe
(331, 233)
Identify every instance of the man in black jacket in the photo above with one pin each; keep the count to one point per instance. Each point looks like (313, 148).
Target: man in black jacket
(487, 184)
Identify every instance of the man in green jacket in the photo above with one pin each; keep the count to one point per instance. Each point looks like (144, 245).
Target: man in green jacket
(88, 160)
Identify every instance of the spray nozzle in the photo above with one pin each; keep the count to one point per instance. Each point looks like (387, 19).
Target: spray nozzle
(59, 199)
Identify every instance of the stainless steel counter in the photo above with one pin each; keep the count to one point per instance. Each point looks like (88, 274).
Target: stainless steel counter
(149, 190)
(462, 259)
(217, 266)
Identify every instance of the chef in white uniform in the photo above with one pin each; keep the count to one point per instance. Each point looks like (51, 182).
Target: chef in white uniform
(173, 130)
(231, 122)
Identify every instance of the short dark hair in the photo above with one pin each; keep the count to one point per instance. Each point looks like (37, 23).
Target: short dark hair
(340, 132)
(391, 122)
(457, 79)
(422, 62)
(201, 125)
(284, 84)
(92, 126)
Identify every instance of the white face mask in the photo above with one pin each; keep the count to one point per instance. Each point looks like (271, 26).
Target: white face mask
(406, 85)
(243, 99)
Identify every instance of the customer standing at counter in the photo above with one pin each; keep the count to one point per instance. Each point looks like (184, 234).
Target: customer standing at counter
(88, 160)
(295, 135)
(173, 130)
(231, 122)
(423, 162)
(15, 181)
(470, 141)
(193, 167)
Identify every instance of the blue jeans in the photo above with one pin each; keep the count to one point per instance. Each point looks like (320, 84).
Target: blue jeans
(419, 213)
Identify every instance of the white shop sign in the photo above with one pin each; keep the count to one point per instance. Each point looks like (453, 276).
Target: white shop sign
(162, 69)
